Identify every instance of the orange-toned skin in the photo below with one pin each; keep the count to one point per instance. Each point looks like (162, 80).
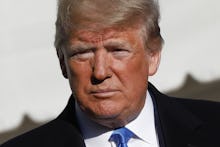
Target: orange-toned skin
(108, 73)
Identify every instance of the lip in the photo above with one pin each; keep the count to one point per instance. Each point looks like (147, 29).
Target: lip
(104, 93)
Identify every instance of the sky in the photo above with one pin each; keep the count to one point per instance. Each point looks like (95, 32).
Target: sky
(30, 78)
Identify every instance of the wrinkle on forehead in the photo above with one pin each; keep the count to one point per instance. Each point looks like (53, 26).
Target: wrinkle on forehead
(96, 36)
(109, 36)
(95, 32)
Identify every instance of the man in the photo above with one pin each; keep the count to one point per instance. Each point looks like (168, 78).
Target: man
(107, 49)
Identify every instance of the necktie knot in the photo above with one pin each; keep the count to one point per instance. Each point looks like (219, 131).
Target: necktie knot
(121, 136)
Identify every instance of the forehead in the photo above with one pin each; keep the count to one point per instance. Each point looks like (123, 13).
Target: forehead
(95, 35)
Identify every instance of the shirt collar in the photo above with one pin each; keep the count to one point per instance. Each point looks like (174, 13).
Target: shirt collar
(88, 127)
(93, 133)
(144, 125)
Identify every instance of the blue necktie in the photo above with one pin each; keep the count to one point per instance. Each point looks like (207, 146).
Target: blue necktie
(121, 136)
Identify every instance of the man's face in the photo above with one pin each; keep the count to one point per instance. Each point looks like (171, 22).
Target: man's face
(108, 73)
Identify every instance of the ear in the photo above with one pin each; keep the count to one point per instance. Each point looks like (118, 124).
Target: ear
(154, 61)
(60, 55)
(154, 54)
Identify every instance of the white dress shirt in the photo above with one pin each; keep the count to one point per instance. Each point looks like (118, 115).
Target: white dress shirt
(143, 126)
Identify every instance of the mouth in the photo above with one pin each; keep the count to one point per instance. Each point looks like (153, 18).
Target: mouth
(104, 93)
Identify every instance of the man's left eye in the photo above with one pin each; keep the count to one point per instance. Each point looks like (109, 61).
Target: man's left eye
(120, 52)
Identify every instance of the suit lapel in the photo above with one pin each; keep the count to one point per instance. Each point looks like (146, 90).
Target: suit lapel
(68, 116)
(177, 125)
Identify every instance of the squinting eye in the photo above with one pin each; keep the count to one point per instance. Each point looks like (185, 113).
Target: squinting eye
(120, 52)
(81, 56)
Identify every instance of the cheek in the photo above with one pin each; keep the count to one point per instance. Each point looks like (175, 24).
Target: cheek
(133, 75)
(132, 70)
(79, 75)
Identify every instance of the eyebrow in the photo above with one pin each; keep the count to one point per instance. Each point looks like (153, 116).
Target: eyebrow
(111, 43)
(80, 47)
(117, 43)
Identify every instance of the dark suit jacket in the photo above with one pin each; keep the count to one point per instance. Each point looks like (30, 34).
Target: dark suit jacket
(179, 123)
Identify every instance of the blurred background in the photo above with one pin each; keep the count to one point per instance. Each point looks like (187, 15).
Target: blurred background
(33, 91)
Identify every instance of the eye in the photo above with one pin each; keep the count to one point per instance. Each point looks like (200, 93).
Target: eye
(82, 55)
(118, 52)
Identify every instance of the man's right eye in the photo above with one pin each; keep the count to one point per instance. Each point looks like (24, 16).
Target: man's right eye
(83, 55)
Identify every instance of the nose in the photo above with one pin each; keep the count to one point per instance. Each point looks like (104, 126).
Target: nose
(101, 68)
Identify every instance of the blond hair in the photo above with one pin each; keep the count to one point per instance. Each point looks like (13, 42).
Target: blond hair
(75, 14)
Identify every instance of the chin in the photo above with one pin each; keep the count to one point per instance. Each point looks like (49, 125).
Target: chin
(111, 119)
(111, 122)
(106, 114)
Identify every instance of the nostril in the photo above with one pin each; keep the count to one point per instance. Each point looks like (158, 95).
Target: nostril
(96, 81)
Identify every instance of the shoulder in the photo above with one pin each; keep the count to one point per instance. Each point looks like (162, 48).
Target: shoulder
(55, 133)
(60, 132)
(185, 120)
(205, 110)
